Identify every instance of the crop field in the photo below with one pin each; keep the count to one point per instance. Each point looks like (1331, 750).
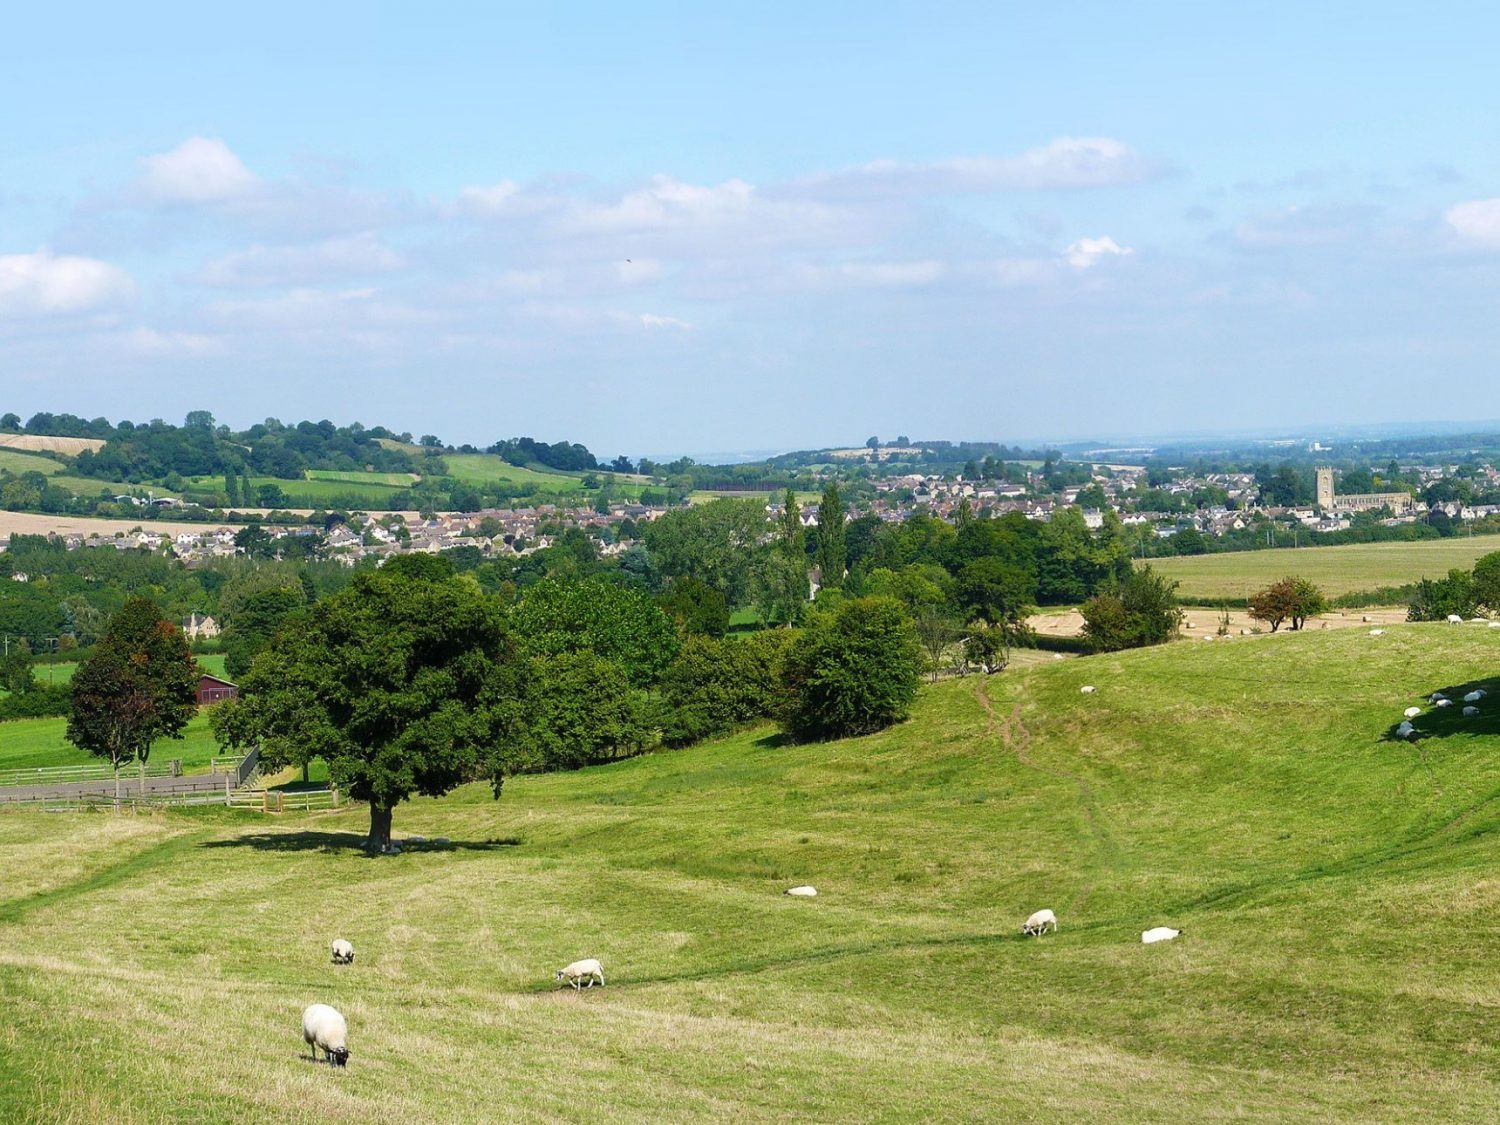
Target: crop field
(12, 461)
(1338, 570)
(1336, 891)
(72, 446)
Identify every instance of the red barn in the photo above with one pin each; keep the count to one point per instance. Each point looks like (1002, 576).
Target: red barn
(211, 689)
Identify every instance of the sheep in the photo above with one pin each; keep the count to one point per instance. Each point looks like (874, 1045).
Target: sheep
(1377, 632)
(1470, 712)
(343, 952)
(1037, 924)
(1494, 625)
(1443, 703)
(1455, 619)
(586, 970)
(1474, 697)
(1405, 730)
(1435, 697)
(1412, 712)
(1159, 933)
(1087, 689)
(322, 1026)
(802, 892)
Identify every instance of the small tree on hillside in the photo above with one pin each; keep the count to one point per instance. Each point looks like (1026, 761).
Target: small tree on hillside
(853, 670)
(139, 685)
(936, 631)
(1486, 581)
(1140, 610)
(1291, 599)
(401, 684)
(832, 556)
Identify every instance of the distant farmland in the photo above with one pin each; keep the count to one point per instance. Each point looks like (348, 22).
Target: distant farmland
(15, 462)
(1338, 570)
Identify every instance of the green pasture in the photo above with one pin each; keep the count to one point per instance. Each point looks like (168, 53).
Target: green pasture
(14, 461)
(1338, 570)
(31, 743)
(387, 480)
(488, 468)
(1336, 891)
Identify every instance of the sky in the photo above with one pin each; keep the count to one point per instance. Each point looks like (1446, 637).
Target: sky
(667, 227)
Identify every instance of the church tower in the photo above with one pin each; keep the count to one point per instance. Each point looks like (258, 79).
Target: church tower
(1325, 489)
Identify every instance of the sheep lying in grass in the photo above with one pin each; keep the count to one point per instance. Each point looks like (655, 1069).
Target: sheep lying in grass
(1037, 924)
(1087, 689)
(343, 952)
(588, 970)
(322, 1026)
(1435, 696)
(1377, 632)
(1470, 712)
(1405, 730)
(802, 892)
(1443, 703)
(1412, 712)
(1159, 933)
(1473, 697)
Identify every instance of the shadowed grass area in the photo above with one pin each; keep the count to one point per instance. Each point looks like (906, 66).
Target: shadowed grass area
(1333, 888)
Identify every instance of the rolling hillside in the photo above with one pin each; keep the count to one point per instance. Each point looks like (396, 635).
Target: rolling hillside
(1336, 890)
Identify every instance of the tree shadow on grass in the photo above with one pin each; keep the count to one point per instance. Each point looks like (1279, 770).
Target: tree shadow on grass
(331, 843)
(1445, 722)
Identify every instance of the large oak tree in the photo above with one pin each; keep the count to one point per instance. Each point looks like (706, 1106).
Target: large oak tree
(403, 684)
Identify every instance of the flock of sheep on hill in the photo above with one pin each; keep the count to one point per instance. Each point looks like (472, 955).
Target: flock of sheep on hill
(1405, 729)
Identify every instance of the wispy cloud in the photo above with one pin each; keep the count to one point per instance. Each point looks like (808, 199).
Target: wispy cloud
(1476, 221)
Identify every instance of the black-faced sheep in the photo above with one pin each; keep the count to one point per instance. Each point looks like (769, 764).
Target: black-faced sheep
(322, 1026)
(343, 952)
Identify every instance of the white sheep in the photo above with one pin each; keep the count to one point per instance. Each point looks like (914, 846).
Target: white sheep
(1405, 730)
(1470, 712)
(587, 970)
(343, 952)
(1087, 689)
(1443, 703)
(802, 892)
(322, 1026)
(1474, 697)
(1159, 933)
(1377, 632)
(1037, 924)
(1435, 696)
(1412, 712)
(1494, 625)
(1455, 619)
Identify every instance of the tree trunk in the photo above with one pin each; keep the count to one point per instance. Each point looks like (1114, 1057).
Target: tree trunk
(117, 788)
(380, 828)
(304, 773)
(141, 762)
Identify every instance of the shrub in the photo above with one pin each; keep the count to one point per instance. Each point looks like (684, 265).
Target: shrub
(587, 712)
(1141, 610)
(714, 685)
(853, 670)
(1434, 599)
(1291, 599)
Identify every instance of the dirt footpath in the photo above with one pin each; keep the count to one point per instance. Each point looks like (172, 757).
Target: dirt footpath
(1199, 620)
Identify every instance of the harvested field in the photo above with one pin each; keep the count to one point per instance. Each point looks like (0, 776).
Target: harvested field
(69, 445)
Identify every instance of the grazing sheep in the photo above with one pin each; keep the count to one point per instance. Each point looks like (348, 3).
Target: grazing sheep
(1405, 730)
(578, 971)
(802, 892)
(1160, 933)
(1470, 712)
(1087, 689)
(343, 952)
(1443, 703)
(1377, 632)
(1455, 619)
(1037, 924)
(1473, 697)
(322, 1026)
(1412, 712)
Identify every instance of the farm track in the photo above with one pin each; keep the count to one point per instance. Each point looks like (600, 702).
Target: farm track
(1015, 736)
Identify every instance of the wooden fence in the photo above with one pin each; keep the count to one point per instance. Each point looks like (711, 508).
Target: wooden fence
(273, 801)
(57, 775)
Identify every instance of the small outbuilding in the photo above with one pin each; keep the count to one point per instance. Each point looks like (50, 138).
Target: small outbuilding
(211, 689)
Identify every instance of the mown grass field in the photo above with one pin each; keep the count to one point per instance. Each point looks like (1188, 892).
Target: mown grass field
(1337, 892)
(488, 468)
(1338, 570)
(387, 480)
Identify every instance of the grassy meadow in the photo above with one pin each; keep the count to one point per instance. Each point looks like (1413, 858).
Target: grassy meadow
(1338, 570)
(14, 461)
(32, 743)
(1337, 893)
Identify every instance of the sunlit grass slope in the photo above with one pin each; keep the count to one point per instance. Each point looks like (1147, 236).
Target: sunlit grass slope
(1337, 891)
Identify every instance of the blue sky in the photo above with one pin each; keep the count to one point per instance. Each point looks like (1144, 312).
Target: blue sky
(666, 227)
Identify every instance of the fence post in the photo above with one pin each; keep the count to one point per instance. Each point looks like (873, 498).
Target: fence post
(226, 790)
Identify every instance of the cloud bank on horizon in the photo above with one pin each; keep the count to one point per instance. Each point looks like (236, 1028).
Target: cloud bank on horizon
(719, 293)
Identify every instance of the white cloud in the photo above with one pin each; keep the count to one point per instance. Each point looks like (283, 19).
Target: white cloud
(1478, 220)
(152, 343)
(200, 170)
(654, 320)
(259, 266)
(1085, 252)
(1063, 163)
(870, 275)
(49, 284)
